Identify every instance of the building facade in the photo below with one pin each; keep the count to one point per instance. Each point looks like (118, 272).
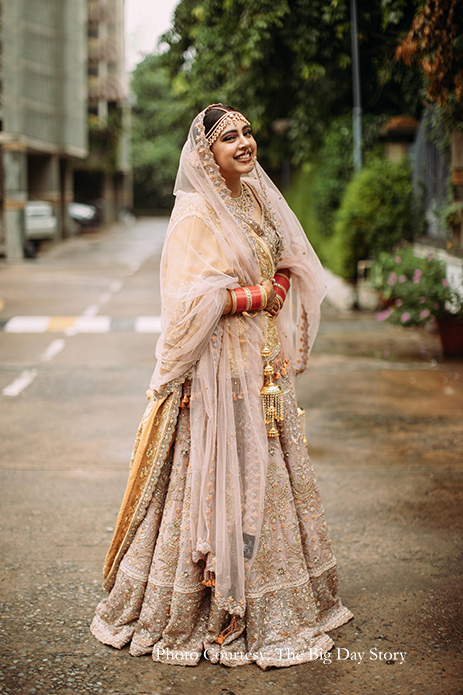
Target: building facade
(105, 179)
(43, 110)
(64, 116)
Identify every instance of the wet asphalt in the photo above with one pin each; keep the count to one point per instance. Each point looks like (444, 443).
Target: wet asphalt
(385, 431)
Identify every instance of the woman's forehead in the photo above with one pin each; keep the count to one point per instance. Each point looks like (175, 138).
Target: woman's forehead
(234, 129)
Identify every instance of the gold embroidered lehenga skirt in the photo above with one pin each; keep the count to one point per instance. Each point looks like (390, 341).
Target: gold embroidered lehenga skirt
(158, 601)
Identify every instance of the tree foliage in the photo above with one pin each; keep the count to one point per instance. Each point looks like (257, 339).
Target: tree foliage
(160, 121)
(435, 43)
(288, 62)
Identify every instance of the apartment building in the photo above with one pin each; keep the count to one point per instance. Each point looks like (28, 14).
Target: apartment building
(43, 110)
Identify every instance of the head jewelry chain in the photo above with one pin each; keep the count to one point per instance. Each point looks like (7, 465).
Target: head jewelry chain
(228, 118)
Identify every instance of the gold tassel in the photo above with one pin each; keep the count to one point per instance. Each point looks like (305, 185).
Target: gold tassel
(272, 397)
(301, 418)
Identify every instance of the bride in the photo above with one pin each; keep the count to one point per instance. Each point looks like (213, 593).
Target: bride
(221, 547)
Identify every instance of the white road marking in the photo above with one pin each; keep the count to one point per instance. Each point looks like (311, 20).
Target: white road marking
(148, 324)
(116, 286)
(85, 323)
(105, 297)
(70, 331)
(91, 310)
(24, 379)
(92, 324)
(53, 349)
(27, 324)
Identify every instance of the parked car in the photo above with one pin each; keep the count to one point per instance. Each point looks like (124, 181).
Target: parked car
(84, 215)
(40, 220)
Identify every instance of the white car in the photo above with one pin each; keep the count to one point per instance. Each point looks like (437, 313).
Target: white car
(41, 222)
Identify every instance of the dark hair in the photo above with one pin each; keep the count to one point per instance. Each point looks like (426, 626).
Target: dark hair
(212, 115)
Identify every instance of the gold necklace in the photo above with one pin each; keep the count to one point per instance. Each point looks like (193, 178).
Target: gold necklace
(244, 203)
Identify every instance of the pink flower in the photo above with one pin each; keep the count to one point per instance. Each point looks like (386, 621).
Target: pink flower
(402, 278)
(383, 315)
(398, 260)
(424, 314)
(445, 283)
(436, 305)
(405, 317)
(422, 300)
(398, 302)
(416, 276)
(392, 279)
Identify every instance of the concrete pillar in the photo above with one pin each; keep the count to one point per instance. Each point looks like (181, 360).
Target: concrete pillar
(14, 159)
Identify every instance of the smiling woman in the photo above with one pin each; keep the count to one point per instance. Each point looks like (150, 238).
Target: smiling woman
(221, 547)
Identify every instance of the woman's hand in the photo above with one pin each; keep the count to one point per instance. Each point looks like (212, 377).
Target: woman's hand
(273, 306)
(268, 287)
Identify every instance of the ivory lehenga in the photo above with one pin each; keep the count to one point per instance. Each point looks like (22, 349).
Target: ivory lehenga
(221, 547)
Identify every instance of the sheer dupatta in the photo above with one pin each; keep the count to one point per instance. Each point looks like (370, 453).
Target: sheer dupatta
(207, 250)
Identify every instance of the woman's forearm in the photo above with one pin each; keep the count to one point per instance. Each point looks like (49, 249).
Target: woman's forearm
(228, 304)
(265, 298)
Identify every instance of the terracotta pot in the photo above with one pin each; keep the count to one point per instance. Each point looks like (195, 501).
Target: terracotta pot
(451, 335)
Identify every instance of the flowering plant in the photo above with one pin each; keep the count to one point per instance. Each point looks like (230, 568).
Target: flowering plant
(414, 289)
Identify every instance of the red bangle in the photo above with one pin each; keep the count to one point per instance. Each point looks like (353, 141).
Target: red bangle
(282, 280)
(256, 295)
(248, 299)
(281, 286)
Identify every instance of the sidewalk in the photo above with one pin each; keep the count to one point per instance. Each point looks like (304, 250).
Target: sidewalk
(385, 431)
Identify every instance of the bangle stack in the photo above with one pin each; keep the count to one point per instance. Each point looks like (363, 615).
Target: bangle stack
(245, 299)
(281, 287)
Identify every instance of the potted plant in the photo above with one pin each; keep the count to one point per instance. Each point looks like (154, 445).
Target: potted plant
(416, 290)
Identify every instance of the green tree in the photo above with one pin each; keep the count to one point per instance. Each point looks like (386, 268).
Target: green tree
(288, 60)
(160, 124)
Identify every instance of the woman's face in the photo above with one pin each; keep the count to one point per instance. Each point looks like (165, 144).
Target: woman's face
(235, 151)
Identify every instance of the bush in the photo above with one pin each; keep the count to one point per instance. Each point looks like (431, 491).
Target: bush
(415, 289)
(335, 164)
(376, 213)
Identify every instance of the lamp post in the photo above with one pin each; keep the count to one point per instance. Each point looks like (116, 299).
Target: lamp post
(357, 110)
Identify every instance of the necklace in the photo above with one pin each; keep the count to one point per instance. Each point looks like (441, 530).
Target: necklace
(244, 203)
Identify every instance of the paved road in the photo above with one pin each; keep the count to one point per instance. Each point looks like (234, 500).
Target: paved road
(385, 432)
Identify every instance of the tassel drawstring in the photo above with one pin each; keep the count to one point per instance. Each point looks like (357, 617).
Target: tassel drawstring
(232, 627)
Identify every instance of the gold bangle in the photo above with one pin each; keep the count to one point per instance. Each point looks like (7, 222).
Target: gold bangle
(264, 295)
(248, 294)
(233, 301)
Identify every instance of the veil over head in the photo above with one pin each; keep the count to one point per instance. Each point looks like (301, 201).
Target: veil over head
(209, 249)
